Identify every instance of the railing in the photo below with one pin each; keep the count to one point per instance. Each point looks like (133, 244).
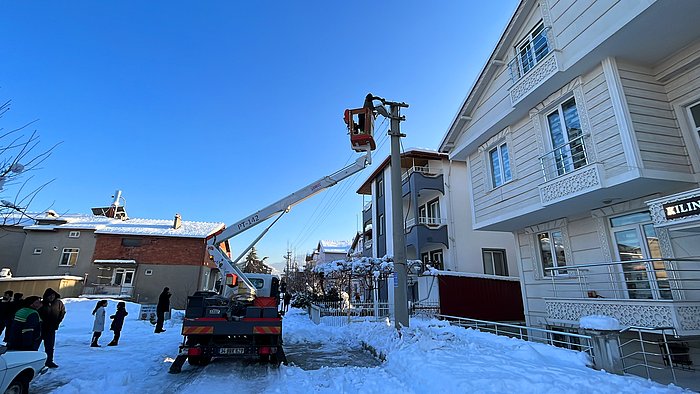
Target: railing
(526, 59)
(425, 170)
(341, 313)
(658, 279)
(109, 290)
(649, 350)
(424, 220)
(569, 340)
(368, 244)
(565, 158)
(367, 206)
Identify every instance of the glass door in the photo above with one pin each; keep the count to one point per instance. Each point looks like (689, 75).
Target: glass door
(636, 241)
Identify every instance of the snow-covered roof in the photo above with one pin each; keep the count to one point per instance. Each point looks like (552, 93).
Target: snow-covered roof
(16, 219)
(132, 226)
(326, 246)
(161, 228)
(26, 278)
(115, 261)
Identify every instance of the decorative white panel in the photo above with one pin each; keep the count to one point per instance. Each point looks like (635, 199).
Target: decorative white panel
(640, 315)
(689, 317)
(541, 72)
(570, 185)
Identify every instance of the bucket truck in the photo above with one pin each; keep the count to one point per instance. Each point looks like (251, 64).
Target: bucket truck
(241, 320)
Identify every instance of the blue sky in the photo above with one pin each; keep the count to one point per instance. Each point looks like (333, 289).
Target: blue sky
(215, 109)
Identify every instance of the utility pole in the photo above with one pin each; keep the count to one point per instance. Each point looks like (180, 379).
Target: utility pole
(397, 220)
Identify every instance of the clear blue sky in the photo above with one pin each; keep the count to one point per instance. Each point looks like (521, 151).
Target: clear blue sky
(215, 109)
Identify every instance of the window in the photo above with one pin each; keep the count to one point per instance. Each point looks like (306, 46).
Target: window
(123, 277)
(434, 258)
(259, 283)
(495, 262)
(37, 251)
(380, 225)
(568, 151)
(533, 48)
(380, 187)
(131, 242)
(74, 234)
(500, 165)
(148, 272)
(694, 110)
(551, 246)
(69, 257)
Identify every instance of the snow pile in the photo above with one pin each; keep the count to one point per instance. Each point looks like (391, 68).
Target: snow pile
(428, 357)
(599, 322)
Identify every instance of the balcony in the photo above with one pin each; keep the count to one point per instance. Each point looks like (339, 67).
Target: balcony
(416, 179)
(427, 231)
(643, 293)
(533, 65)
(109, 291)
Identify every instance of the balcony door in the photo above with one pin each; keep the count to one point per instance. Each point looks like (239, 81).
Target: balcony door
(635, 240)
(123, 277)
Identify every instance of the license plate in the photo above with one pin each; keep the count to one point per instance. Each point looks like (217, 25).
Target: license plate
(232, 350)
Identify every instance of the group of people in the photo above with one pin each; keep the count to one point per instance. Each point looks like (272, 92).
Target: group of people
(29, 321)
(99, 325)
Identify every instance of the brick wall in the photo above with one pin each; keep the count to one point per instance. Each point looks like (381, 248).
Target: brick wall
(153, 250)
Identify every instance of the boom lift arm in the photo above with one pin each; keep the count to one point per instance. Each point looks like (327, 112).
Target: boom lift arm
(226, 266)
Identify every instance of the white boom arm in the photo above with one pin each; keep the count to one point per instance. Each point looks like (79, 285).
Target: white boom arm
(224, 263)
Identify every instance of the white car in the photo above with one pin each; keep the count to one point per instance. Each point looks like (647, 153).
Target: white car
(18, 368)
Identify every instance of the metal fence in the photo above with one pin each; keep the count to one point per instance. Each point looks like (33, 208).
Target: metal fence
(341, 313)
(109, 290)
(655, 352)
(564, 339)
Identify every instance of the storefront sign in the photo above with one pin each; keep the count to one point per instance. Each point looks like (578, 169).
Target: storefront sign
(682, 208)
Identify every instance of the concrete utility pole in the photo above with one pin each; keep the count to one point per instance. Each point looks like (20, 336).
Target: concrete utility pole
(397, 219)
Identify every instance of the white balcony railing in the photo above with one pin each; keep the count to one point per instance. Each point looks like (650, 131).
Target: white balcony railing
(425, 220)
(529, 56)
(367, 206)
(425, 170)
(647, 279)
(368, 244)
(565, 158)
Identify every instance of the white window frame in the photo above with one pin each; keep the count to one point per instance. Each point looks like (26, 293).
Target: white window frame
(148, 272)
(495, 183)
(380, 225)
(492, 252)
(380, 187)
(569, 165)
(526, 46)
(74, 234)
(695, 126)
(123, 272)
(552, 247)
(38, 251)
(72, 254)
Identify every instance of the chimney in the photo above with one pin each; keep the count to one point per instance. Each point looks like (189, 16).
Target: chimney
(178, 221)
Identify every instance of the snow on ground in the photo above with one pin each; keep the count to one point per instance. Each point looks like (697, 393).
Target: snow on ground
(428, 357)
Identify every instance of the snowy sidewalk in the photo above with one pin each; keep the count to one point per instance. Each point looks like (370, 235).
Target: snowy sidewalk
(429, 357)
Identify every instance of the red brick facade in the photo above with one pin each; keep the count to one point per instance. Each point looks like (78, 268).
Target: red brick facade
(153, 250)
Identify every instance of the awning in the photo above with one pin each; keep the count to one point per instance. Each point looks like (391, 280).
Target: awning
(132, 262)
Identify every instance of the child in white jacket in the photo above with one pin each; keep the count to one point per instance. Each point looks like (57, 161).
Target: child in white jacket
(99, 324)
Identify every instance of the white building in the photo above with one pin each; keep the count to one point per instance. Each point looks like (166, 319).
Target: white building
(581, 138)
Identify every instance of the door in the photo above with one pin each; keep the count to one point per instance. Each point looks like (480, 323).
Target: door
(635, 241)
(124, 278)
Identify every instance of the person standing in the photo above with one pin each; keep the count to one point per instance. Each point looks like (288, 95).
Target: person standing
(12, 308)
(162, 307)
(287, 300)
(51, 312)
(5, 309)
(99, 324)
(118, 323)
(25, 331)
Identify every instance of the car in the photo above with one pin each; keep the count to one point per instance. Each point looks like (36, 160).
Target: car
(18, 368)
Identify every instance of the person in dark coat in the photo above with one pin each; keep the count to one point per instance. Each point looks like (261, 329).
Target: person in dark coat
(51, 312)
(287, 300)
(162, 307)
(118, 323)
(15, 305)
(25, 331)
(5, 309)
